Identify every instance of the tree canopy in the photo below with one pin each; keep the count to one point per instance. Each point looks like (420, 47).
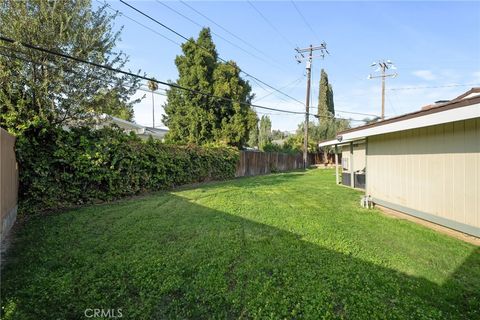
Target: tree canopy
(41, 89)
(264, 132)
(201, 119)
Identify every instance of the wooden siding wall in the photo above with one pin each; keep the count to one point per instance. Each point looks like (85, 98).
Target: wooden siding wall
(434, 170)
(8, 181)
(358, 156)
(254, 163)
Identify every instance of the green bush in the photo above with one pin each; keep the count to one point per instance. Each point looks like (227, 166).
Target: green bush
(285, 148)
(60, 169)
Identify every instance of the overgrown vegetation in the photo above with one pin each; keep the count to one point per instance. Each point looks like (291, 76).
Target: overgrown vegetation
(61, 168)
(253, 248)
(43, 90)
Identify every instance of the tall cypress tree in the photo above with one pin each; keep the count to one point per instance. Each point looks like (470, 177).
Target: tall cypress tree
(328, 125)
(325, 96)
(196, 118)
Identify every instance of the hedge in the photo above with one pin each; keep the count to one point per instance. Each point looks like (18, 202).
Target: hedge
(61, 169)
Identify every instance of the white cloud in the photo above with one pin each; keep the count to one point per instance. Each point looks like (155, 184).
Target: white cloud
(424, 74)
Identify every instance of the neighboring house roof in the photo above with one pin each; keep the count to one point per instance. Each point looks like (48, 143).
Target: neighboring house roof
(155, 132)
(132, 126)
(465, 106)
(124, 124)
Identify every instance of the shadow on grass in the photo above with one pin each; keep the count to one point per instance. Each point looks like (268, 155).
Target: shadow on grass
(167, 257)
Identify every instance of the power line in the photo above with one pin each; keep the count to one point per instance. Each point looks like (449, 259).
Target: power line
(137, 22)
(290, 44)
(228, 31)
(311, 49)
(383, 65)
(214, 33)
(138, 76)
(305, 21)
(170, 84)
(199, 46)
(70, 70)
(263, 88)
(352, 112)
(282, 88)
(433, 87)
(142, 84)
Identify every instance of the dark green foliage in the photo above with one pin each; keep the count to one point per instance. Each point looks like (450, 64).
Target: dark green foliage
(325, 96)
(328, 126)
(200, 119)
(264, 132)
(283, 246)
(66, 168)
(286, 147)
(253, 135)
(279, 135)
(37, 88)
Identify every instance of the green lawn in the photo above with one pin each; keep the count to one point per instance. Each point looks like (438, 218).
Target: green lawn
(280, 246)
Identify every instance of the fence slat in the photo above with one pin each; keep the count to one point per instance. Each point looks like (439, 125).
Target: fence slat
(253, 163)
(8, 182)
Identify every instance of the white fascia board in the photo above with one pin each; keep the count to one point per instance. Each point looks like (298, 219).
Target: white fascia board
(336, 142)
(451, 115)
(328, 143)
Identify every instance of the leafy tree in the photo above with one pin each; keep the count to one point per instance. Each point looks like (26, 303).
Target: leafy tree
(264, 132)
(234, 120)
(278, 135)
(40, 89)
(253, 136)
(200, 119)
(316, 133)
(110, 102)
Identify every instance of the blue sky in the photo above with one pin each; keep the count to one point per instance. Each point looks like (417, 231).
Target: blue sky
(433, 44)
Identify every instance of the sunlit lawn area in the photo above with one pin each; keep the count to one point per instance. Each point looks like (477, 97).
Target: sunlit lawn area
(290, 245)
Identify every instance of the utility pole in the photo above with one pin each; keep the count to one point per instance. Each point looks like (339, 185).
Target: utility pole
(383, 66)
(153, 110)
(153, 86)
(300, 57)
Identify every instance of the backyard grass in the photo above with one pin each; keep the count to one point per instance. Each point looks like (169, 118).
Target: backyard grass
(290, 245)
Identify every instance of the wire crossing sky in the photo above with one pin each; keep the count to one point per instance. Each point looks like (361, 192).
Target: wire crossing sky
(435, 46)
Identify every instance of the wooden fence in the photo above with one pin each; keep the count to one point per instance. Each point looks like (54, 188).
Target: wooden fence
(254, 163)
(8, 182)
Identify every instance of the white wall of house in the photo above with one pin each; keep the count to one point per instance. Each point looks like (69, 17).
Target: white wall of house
(358, 157)
(433, 170)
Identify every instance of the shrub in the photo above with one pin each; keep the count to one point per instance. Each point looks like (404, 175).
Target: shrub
(285, 148)
(60, 169)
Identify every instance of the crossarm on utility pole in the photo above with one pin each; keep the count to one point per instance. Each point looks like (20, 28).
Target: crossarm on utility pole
(322, 48)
